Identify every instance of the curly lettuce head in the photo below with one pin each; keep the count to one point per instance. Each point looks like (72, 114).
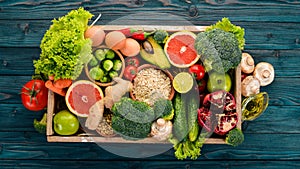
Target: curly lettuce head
(64, 50)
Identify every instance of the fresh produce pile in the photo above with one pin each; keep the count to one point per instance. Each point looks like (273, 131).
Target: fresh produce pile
(175, 87)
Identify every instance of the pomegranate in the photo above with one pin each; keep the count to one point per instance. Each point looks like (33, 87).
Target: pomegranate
(218, 113)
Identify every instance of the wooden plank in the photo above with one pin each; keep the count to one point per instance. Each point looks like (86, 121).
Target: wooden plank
(258, 35)
(256, 146)
(10, 87)
(201, 10)
(15, 117)
(276, 119)
(18, 61)
(143, 164)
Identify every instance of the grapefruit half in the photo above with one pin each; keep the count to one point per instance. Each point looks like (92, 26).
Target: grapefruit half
(81, 96)
(180, 50)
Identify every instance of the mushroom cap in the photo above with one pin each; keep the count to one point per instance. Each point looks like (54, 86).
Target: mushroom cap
(247, 63)
(264, 72)
(161, 129)
(250, 86)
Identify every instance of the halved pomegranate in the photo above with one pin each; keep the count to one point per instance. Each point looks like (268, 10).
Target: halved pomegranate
(218, 113)
(220, 99)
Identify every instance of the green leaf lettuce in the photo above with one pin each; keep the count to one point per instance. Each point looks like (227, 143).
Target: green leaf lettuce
(64, 50)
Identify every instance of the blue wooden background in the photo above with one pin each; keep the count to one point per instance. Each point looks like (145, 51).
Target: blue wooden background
(272, 35)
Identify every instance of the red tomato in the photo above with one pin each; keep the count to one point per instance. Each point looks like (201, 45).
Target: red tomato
(134, 61)
(198, 71)
(34, 95)
(130, 72)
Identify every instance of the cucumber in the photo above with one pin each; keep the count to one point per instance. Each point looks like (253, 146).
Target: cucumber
(194, 132)
(192, 114)
(180, 127)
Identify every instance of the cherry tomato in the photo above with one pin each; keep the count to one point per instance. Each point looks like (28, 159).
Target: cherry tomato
(34, 95)
(198, 71)
(130, 72)
(134, 61)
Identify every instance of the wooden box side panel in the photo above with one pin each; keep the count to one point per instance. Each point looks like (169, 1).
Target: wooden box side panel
(50, 111)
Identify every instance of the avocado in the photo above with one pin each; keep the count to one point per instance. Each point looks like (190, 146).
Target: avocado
(153, 53)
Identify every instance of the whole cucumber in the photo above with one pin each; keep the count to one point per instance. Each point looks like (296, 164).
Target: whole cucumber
(180, 127)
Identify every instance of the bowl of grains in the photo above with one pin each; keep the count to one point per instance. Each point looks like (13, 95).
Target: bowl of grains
(152, 83)
(104, 128)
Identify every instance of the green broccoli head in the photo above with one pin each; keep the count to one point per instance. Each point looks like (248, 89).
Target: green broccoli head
(161, 36)
(132, 119)
(163, 108)
(41, 125)
(235, 137)
(219, 50)
(227, 26)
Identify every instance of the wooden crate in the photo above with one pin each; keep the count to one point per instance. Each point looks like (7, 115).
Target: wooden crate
(84, 137)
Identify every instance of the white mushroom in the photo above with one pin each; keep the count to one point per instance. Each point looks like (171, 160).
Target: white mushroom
(264, 72)
(247, 63)
(250, 86)
(161, 129)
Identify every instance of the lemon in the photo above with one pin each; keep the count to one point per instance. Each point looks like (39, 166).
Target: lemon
(183, 82)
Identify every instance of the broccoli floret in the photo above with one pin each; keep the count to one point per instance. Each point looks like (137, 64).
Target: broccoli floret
(41, 125)
(163, 108)
(235, 137)
(132, 119)
(227, 26)
(219, 50)
(161, 36)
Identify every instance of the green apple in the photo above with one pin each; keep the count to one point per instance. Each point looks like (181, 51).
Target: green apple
(218, 81)
(65, 123)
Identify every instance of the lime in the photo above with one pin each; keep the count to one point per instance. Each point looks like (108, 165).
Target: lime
(183, 82)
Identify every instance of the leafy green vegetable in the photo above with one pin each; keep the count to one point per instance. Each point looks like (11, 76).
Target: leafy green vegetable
(107, 65)
(113, 74)
(235, 137)
(219, 50)
(110, 54)
(100, 54)
(227, 26)
(64, 50)
(164, 109)
(189, 149)
(132, 119)
(41, 125)
(96, 73)
(117, 65)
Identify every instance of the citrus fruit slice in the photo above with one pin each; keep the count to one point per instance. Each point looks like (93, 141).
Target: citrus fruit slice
(180, 50)
(183, 82)
(81, 96)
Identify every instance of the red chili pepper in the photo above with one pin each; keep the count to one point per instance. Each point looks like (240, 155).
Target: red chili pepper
(135, 34)
(127, 31)
(141, 35)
